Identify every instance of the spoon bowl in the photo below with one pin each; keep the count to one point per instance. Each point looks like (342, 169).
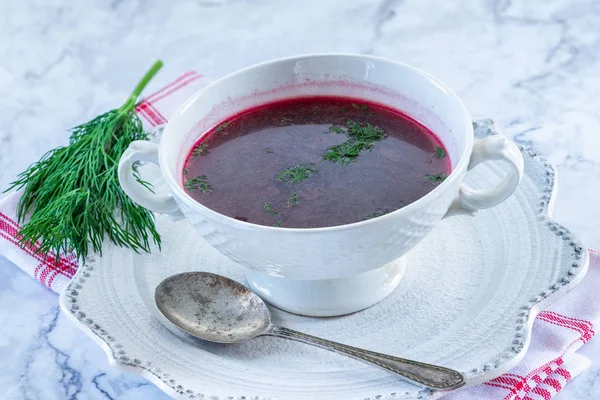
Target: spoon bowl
(212, 307)
(218, 309)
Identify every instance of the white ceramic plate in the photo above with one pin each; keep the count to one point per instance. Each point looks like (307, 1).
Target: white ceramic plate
(471, 291)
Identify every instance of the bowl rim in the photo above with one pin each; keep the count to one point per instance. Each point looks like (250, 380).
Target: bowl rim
(461, 165)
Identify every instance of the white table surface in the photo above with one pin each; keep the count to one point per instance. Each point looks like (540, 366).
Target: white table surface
(532, 66)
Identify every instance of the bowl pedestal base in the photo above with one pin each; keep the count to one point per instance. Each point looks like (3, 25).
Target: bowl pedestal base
(328, 297)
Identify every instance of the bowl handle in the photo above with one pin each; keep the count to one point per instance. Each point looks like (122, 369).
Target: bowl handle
(494, 147)
(142, 150)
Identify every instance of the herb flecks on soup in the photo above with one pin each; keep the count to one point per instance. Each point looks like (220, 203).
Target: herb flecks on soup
(314, 162)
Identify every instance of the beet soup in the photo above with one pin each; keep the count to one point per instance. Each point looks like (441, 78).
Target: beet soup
(314, 162)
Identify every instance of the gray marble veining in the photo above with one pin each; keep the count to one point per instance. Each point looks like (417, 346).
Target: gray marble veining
(532, 66)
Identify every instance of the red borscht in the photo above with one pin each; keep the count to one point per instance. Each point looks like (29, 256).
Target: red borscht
(314, 162)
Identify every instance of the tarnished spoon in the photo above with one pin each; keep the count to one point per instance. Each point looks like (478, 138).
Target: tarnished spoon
(218, 309)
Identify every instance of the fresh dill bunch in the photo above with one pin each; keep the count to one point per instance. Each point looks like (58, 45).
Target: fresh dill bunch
(297, 173)
(73, 196)
(200, 182)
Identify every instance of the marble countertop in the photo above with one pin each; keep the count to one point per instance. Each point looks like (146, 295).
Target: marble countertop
(534, 67)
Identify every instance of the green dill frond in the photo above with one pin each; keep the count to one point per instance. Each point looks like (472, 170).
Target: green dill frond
(222, 126)
(200, 150)
(286, 121)
(297, 173)
(360, 137)
(440, 152)
(437, 178)
(336, 129)
(198, 183)
(269, 210)
(73, 193)
(293, 200)
(378, 213)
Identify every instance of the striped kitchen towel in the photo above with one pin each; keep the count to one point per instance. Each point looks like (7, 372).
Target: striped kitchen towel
(548, 365)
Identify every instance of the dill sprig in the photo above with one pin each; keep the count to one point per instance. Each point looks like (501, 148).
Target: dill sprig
(346, 152)
(200, 150)
(293, 200)
(199, 182)
(72, 194)
(222, 126)
(297, 173)
(364, 108)
(437, 178)
(378, 213)
(269, 210)
(336, 129)
(360, 138)
(440, 152)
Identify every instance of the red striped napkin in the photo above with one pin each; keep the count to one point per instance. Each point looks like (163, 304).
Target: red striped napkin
(558, 331)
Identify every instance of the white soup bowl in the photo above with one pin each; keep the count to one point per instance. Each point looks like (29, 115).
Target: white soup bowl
(339, 269)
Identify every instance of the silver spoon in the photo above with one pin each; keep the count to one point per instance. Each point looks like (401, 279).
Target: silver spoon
(218, 309)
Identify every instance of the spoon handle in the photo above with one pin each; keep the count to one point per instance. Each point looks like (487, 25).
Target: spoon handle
(432, 376)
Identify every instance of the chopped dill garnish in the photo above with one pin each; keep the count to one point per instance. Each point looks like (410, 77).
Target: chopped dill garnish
(346, 152)
(367, 132)
(200, 150)
(293, 200)
(267, 150)
(361, 137)
(297, 173)
(336, 129)
(277, 224)
(285, 121)
(437, 178)
(222, 126)
(269, 210)
(362, 107)
(198, 182)
(440, 152)
(378, 213)
(186, 172)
